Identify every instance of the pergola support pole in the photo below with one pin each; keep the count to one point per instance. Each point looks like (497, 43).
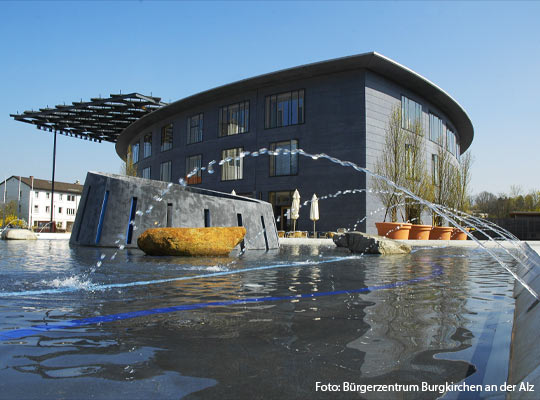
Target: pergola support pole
(52, 227)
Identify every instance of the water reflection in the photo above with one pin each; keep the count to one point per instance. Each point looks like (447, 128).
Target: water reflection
(272, 349)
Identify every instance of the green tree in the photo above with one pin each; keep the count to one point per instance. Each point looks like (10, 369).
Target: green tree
(417, 179)
(14, 222)
(390, 165)
(462, 182)
(128, 168)
(7, 209)
(444, 177)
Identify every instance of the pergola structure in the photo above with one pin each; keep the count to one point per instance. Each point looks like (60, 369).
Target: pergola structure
(96, 120)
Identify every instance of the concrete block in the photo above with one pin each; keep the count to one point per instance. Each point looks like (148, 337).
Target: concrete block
(18, 234)
(116, 209)
(525, 352)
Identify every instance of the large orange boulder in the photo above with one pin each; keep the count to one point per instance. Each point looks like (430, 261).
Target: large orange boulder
(215, 241)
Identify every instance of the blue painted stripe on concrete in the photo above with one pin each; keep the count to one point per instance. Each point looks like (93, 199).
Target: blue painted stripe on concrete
(102, 216)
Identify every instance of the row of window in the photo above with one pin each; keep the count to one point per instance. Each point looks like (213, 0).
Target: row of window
(411, 116)
(69, 211)
(281, 110)
(60, 196)
(283, 161)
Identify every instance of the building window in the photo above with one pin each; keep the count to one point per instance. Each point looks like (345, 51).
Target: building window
(411, 114)
(195, 128)
(135, 152)
(36, 194)
(450, 141)
(70, 211)
(232, 167)
(48, 195)
(284, 161)
(59, 210)
(60, 196)
(284, 109)
(47, 209)
(147, 145)
(234, 119)
(435, 129)
(435, 168)
(165, 171)
(166, 137)
(146, 173)
(36, 208)
(193, 169)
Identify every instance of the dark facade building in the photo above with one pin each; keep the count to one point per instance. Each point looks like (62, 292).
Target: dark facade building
(339, 107)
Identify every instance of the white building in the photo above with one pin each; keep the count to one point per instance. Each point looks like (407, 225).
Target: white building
(33, 197)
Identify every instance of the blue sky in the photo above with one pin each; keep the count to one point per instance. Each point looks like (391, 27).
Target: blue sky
(485, 54)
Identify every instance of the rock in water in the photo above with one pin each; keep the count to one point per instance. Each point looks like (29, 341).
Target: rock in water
(214, 241)
(359, 242)
(18, 234)
(340, 240)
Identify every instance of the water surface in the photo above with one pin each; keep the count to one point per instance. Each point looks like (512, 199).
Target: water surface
(279, 322)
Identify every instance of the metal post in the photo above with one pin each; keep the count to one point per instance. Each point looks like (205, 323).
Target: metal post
(19, 200)
(5, 188)
(31, 204)
(52, 227)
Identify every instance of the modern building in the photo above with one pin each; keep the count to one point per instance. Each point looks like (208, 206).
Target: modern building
(340, 107)
(33, 197)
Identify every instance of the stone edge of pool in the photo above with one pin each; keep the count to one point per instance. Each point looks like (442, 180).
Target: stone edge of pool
(524, 365)
(534, 245)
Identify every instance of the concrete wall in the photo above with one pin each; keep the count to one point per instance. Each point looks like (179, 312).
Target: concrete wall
(524, 365)
(188, 210)
(524, 228)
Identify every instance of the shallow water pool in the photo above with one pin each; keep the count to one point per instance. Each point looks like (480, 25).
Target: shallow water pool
(104, 323)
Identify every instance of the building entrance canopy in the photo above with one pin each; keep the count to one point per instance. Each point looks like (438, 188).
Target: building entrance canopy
(98, 119)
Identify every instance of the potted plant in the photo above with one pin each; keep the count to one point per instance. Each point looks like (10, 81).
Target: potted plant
(417, 181)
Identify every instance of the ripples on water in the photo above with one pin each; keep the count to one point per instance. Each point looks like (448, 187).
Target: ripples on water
(440, 330)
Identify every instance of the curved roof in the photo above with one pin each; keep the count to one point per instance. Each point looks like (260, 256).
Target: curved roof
(372, 61)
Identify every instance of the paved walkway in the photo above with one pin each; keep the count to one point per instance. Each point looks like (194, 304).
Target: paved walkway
(535, 245)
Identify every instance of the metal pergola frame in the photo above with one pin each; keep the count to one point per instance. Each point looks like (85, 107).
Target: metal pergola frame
(96, 120)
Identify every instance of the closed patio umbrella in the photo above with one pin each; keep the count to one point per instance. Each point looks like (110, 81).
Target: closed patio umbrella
(295, 208)
(314, 211)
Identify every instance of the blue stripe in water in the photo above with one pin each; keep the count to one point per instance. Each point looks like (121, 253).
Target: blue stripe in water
(96, 287)
(19, 333)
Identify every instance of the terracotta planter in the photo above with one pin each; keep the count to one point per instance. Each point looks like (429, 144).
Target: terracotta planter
(441, 233)
(394, 230)
(458, 235)
(420, 232)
